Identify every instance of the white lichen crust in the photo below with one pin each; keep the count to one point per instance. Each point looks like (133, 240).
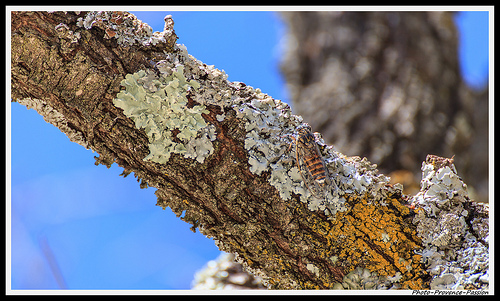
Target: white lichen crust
(455, 236)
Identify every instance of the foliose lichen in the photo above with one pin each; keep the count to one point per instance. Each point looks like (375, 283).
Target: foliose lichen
(453, 228)
(159, 105)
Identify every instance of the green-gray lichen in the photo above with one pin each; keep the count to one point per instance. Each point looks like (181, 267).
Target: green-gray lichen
(159, 105)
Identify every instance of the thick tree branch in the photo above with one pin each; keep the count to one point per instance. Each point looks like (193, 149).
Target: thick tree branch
(218, 153)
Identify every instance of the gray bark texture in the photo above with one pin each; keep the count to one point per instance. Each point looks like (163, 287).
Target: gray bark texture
(218, 154)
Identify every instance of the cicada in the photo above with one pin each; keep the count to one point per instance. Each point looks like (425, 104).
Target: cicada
(311, 165)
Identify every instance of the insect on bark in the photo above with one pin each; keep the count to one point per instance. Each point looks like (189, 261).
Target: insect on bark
(311, 165)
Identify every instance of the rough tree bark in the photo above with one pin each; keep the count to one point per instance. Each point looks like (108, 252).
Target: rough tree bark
(93, 75)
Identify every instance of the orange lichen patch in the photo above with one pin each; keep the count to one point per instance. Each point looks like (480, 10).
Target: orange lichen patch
(373, 235)
(376, 236)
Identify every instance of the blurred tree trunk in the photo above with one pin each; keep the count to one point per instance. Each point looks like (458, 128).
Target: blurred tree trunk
(387, 86)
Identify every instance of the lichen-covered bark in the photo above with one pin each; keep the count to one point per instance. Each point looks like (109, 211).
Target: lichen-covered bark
(71, 74)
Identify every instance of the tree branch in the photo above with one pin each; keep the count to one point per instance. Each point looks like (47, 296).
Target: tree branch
(218, 153)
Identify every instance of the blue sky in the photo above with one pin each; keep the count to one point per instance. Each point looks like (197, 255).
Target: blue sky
(101, 229)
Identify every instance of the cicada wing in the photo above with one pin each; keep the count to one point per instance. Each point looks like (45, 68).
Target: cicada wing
(316, 189)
